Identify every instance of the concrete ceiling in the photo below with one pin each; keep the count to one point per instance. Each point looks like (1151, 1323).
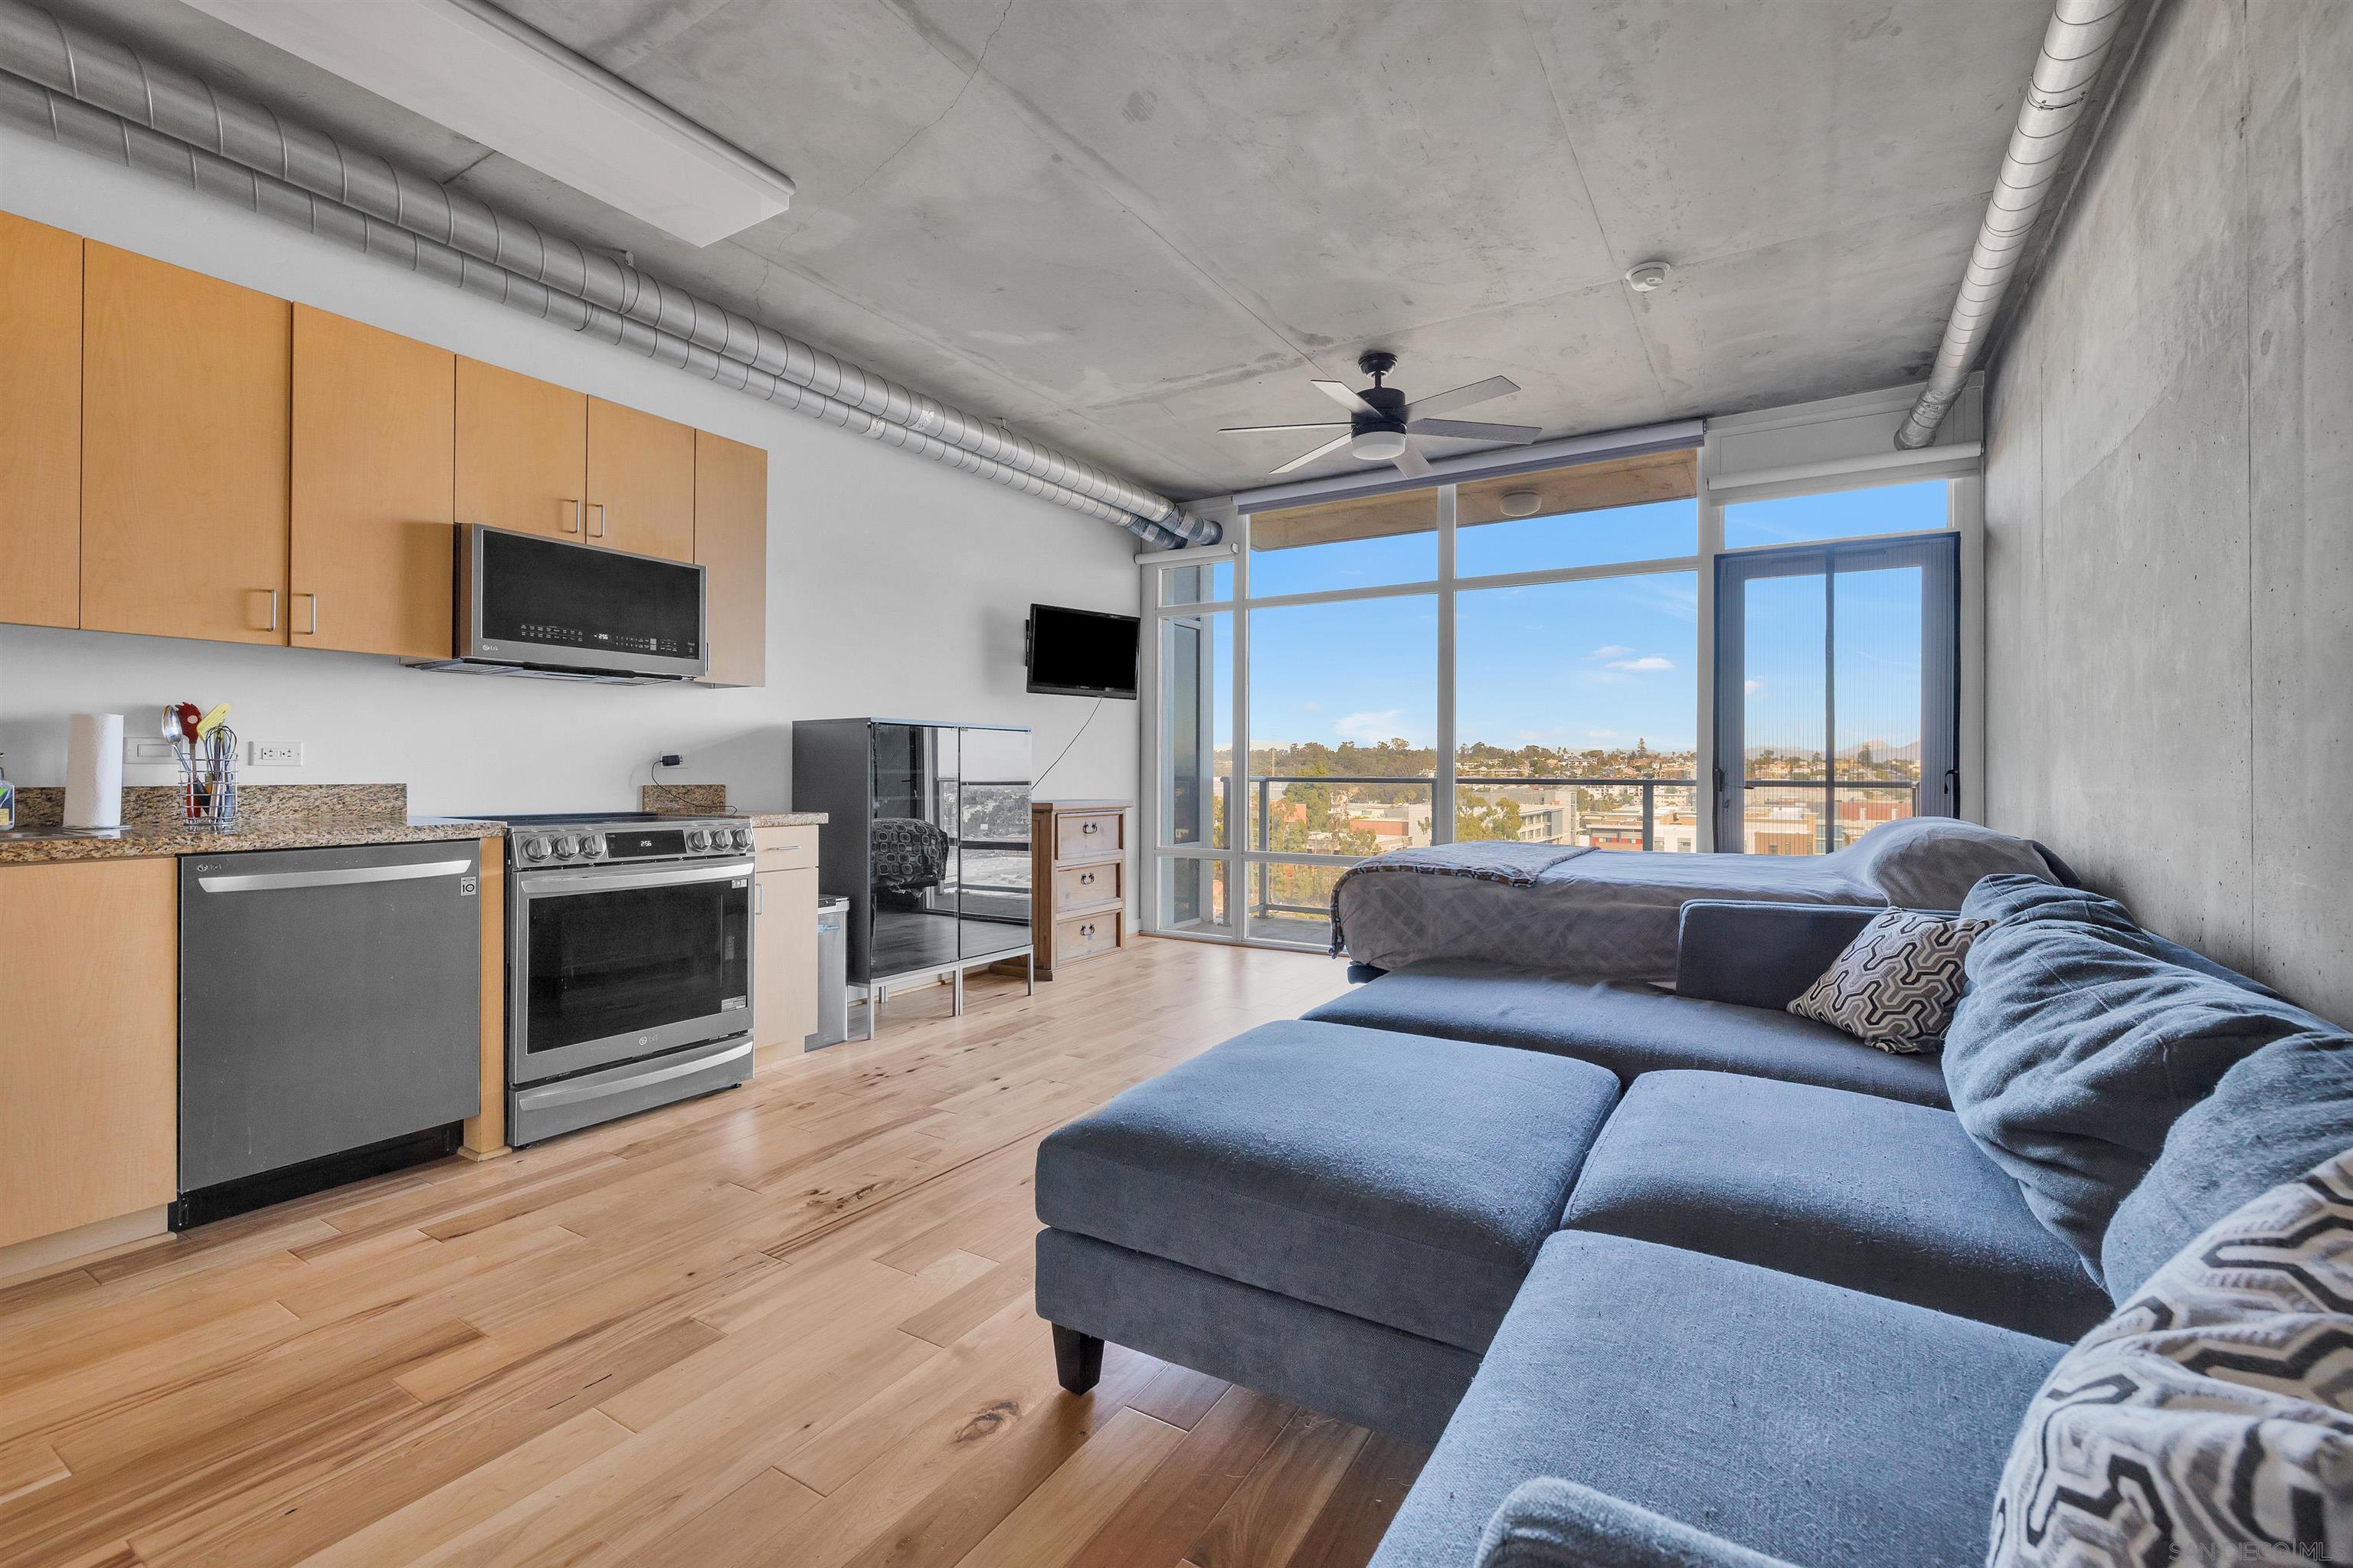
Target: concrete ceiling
(1121, 224)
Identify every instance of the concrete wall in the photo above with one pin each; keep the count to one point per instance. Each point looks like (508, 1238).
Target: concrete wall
(2169, 503)
(895, 586)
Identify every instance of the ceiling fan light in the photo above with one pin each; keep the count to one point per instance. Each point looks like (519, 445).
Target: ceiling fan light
(1520, 503)
(1377, 446)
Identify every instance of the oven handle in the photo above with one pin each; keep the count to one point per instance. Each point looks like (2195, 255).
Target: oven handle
(609, 879)
(573, 1094)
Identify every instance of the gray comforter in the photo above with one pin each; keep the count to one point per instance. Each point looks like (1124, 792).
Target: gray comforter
(1613, 914)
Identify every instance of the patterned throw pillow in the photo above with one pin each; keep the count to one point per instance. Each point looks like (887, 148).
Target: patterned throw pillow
(1896, 983)
(2211, 1420)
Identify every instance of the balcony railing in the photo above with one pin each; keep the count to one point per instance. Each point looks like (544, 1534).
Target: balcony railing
(1263, 794)
(1262, 903)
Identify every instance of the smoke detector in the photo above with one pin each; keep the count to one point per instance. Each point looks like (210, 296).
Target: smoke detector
(1520, 503)
(1644, 276)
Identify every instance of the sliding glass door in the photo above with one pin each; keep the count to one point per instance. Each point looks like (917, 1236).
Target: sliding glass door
(1838, 690)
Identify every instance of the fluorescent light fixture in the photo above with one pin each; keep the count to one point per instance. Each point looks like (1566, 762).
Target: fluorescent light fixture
(470, 66)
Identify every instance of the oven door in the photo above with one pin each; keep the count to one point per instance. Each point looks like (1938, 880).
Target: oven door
(610, 963)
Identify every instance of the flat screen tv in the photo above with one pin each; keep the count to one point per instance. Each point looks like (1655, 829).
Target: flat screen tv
(1081, 652)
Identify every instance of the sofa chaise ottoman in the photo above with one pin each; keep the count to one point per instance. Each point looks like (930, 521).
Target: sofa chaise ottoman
(1339, 1216)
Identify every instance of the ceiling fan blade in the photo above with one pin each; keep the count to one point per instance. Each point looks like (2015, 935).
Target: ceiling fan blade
(1474, 430)
(1411, 463)
(1346, 398)
(1462, 397)
(1336, 443)
(1254, 430)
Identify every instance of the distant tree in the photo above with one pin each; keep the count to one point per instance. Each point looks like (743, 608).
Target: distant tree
(1477, 818)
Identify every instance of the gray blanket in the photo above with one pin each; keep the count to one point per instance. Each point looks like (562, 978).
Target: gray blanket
(1614, 914)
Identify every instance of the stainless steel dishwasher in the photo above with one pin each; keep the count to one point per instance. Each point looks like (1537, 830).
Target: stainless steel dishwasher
(330, 1017)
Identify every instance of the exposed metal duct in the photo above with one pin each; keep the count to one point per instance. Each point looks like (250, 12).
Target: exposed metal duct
(2074, 47)
(205, 138)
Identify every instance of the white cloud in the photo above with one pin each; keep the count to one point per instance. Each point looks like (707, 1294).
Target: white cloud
(1611, 651)
(1647, 662)
(1312, 707)
(1751, 688)
(1369, 726)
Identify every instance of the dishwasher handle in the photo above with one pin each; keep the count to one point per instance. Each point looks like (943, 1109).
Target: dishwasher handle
(276, 881)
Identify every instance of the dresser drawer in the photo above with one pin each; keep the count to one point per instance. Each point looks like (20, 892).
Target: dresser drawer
(1085, 935)
(1077, 886)
(787, 849)
(1083, 836)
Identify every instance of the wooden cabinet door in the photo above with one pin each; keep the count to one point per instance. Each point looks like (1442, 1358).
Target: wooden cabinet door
(373, 559)
(784, 963)
(40, 424)
(731, 544)
(523, 452)
(88, 1043)
(184, 481)
(640, 482)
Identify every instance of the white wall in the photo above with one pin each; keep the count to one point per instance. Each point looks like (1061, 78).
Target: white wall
(896, 586)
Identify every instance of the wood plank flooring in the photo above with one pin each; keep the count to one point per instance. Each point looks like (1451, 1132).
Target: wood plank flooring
(786, 1325)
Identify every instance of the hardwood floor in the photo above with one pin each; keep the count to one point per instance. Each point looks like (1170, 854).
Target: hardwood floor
(786, 1325)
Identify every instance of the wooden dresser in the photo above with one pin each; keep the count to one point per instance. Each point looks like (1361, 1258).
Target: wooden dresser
(1078, 858)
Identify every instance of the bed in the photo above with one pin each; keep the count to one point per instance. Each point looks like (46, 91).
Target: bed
(1597, 915)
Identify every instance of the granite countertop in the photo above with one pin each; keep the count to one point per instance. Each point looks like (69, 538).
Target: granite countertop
(269, 817)
(711, 800)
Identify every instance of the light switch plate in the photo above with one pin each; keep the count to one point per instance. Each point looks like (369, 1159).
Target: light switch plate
(278, 754)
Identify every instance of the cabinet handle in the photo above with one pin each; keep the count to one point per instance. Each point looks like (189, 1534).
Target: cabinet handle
(1087, 880)
(313, 630)
(759, 897)
(1089, 826)
(1087, 930)
(574, 525)
(273, 608)
(598, 531)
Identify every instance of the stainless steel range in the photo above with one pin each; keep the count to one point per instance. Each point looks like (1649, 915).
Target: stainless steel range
(628, 966)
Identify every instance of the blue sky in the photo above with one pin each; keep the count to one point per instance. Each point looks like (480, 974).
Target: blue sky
(1584, 665)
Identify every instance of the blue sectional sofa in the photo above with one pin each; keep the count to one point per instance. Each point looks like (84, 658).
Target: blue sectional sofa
(1682, 1279)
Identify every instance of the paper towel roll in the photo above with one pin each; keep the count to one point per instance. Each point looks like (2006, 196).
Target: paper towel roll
(94, 771)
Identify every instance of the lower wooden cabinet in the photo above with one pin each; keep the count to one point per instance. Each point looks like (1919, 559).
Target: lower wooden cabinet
(88, 1043)
(783, 959)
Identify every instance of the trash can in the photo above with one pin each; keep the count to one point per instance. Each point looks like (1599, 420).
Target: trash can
(832, 974)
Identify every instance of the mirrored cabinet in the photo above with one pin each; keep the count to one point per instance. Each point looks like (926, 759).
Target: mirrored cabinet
(927, 836)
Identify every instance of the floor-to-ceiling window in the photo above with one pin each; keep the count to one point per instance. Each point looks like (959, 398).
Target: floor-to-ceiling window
(1530, 656)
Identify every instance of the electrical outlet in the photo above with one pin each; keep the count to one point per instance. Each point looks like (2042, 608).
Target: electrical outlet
(278, 754)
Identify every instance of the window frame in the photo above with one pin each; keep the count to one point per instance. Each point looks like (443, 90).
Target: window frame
(1963, 514)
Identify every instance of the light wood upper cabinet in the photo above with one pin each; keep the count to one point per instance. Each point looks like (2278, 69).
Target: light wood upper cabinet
(183, 452)
(640, 482)
(730, 544)
(88, 1043)
(523, 452)
(373, 551)
(40, 424)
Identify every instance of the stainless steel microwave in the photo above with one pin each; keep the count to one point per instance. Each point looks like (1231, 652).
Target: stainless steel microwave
(529, 604)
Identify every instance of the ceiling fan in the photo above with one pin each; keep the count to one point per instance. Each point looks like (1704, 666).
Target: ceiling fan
(1382, 427)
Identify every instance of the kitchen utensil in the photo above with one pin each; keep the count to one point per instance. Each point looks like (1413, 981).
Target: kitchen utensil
(212, 720)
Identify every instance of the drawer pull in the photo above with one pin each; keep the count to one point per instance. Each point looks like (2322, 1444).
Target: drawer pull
(1089, 826)
(1087, 930)
(1087, 880)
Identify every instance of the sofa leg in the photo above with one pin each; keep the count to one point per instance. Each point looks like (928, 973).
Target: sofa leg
(1078, 1359)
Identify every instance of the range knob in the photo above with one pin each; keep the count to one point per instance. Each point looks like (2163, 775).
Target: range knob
(742, 836)
(592, 845)
(696, 838)
(534, 849)
(565, 846)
